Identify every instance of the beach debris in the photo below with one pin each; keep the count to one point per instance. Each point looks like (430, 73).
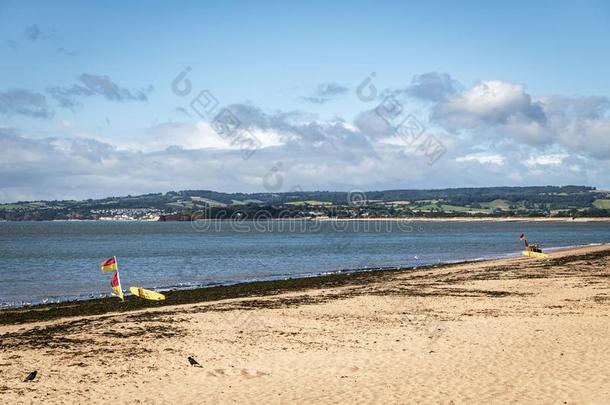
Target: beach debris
(146, 294)
(31, 376)
(194, 362)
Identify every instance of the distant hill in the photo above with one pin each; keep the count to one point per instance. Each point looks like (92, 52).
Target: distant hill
(484, 201)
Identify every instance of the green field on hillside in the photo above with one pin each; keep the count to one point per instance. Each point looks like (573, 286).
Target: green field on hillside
(496, 204)
(602, 204)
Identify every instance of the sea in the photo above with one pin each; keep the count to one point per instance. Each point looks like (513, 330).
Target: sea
(57, 261)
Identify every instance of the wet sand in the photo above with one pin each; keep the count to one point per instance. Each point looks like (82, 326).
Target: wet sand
(511, 330)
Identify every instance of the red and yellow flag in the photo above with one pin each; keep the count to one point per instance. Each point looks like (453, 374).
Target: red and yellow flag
(115, 282)
(109, 265)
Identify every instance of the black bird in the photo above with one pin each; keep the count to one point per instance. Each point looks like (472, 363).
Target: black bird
(194, 362)
(30, 376)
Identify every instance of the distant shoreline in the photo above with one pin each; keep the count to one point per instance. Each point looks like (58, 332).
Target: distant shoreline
(477, 219)
(404, 219)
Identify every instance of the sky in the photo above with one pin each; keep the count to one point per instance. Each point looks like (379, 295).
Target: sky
(105, 98)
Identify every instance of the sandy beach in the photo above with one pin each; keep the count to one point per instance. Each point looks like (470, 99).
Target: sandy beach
(515, 330)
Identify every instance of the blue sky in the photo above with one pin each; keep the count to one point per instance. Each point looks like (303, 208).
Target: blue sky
(516, 93)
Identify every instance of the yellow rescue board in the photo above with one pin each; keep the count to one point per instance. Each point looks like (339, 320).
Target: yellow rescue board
(535, 254)
(147, 294)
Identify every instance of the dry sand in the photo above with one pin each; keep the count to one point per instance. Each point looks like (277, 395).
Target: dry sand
(504, 331)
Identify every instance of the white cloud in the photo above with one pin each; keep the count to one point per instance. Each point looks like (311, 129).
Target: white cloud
(503, 114)
(491, 102)
(544, 160)
(591, 136)
(483, 158)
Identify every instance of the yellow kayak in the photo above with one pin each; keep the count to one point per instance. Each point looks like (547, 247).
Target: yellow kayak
(537, 255)
(146, 294)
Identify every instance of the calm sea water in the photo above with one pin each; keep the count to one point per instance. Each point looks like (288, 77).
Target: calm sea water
(53, 261)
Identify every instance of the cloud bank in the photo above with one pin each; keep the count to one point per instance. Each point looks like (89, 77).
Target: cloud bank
(494, 132)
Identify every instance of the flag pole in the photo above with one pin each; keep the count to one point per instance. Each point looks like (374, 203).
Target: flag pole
(118, 277)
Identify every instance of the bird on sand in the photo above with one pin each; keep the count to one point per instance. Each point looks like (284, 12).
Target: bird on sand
(194, 362)
(30, 376)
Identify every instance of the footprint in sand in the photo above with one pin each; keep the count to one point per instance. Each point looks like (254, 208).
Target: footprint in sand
(218, 372)
(247, 374)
